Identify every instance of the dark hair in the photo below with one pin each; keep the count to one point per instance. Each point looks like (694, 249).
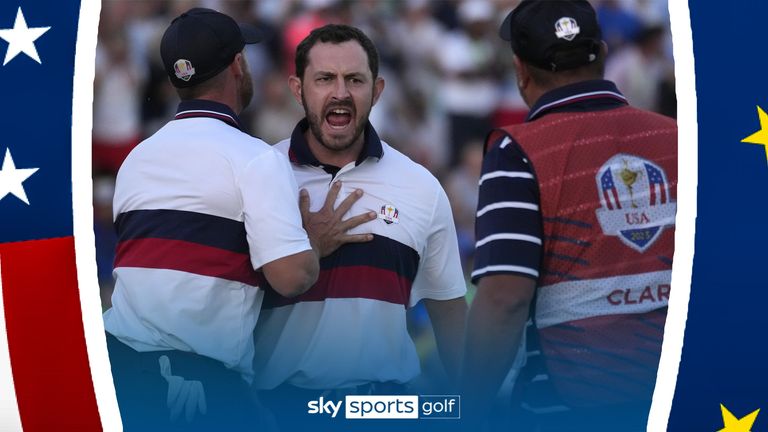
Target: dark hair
(335, 34)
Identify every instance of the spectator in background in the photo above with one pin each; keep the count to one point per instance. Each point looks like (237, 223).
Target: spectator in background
(313, 14)
(373, 18)
(275, 118)
(420, 131)
(145, 22)
(412, 30)
(420, 126)
(620, 24)
(667, 96)
(415, 37)
(461, 187)
(445, 13)
(259, 56)
(116, 108)
(651, 12)
(639, 68)
(470, 87)
(272, 11)
(159, 100)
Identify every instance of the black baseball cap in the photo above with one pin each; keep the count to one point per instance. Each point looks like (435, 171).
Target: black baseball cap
(554, 35)
(200, 43)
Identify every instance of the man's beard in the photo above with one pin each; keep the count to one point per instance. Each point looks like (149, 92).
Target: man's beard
(314, 127)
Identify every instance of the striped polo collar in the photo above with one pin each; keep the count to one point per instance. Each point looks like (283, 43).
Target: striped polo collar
(593, 95)
(205, 108)
(300, 153)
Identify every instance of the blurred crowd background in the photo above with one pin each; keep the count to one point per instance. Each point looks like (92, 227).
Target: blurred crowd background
(449, 80)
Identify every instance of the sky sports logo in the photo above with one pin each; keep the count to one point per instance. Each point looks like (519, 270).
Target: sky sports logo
(389, 407)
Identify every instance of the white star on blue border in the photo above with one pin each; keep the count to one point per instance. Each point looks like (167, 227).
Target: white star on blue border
(21, 39)
(11, 178)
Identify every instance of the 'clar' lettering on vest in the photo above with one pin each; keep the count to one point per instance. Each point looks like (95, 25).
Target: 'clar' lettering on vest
(632, 296)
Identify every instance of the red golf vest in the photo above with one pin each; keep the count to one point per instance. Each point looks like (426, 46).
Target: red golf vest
(607, 182)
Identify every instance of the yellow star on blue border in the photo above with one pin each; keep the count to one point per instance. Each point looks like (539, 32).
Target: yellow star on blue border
(760, 137)
(732, 424)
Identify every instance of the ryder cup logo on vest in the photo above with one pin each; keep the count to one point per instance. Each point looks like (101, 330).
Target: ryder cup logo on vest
(636, 205)
(567, 28)
(184, 69)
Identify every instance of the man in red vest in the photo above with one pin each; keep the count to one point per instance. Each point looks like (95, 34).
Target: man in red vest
(575, 231)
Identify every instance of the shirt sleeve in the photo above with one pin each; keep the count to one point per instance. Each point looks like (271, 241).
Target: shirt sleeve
(508, 227)
(271, 210)
(440, 276)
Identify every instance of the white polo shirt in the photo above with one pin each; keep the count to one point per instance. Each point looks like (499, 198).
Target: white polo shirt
(198, 206)
(350, 327)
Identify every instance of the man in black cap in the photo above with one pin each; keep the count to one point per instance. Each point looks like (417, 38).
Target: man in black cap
(205, 215)
(575, 228)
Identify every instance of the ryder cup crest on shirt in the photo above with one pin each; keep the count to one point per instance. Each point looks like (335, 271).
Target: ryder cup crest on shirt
(635, 202)
(389, 214)
(567, 28)
(183, 69)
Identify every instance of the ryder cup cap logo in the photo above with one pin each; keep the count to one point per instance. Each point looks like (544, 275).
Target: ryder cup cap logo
(389, 214)
(636, 205)
(184, 69)
(567, 28)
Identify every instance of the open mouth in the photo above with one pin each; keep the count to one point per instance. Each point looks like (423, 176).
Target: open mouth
(338, 118)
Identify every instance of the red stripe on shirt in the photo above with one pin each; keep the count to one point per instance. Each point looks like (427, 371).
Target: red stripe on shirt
(350, 282)
(187, 257)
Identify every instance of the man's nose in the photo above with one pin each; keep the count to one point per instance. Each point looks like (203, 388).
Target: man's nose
(341, 91)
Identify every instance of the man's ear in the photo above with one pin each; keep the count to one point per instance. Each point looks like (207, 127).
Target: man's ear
(238, 67)
(294, 83)
(604, 48)
(378, 87)
(522, 74)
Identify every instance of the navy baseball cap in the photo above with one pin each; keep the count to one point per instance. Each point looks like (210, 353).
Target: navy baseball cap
(554, 35)
(202, 42)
